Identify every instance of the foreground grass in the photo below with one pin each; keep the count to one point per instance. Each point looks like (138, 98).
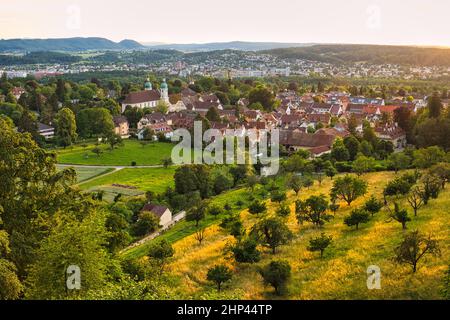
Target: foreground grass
(132, 150)
(341, 273)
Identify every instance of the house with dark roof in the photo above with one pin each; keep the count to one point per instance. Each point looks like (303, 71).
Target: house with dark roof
(46, 131)
(162, 212)
(152, 118)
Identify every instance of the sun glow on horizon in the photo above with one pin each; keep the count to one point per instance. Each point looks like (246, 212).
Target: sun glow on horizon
(390, 22)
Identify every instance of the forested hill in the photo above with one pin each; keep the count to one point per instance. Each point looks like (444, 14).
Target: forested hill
(377, 54)
(67, 44)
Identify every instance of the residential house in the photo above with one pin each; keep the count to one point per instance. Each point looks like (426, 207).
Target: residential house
(392, 133)
(317, 143)
(46, 131)
(162, 212)
(152, 118)
(121, 126)
(290, 121)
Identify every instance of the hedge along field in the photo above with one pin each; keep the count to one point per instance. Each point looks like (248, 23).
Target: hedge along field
(341, 273)
(132, 150)
(145, 179)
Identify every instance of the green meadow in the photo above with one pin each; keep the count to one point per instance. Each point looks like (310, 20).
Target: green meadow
(144, 179)
(131, 150)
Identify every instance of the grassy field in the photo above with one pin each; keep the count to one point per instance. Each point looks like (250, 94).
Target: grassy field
(145, 179)
(341, 273)
(84, 174)
(132, 150)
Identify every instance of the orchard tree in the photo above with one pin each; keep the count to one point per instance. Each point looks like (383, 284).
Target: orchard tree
(272, 232)
(197, 213)
(219, 275)
(278, 196)
(295, 183)
(415, 199)
(246, 251)
(313, 210)
(234, 226)
(349, 188)
(431, 187)
(200, 235)
(257, 207)
(215, 210)
(114, 140)
(331, 172)
(357, 217)
(373, 206)
(159, 253)
(283, 211)
(400, 215)
(442, 171)
(414, 248)
(320, 243)
(277, 274)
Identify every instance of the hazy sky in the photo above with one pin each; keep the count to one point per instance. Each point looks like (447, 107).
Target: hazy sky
(423, 22)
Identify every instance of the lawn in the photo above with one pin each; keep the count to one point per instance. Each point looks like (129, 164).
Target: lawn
(132, 150)
(341, 273)
(144, 179)
(84, 174)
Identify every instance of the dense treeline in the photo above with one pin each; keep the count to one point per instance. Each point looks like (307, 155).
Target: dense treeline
(40, 57)
(375, 54)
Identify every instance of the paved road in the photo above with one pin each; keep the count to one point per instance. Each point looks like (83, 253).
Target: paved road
(177, 218)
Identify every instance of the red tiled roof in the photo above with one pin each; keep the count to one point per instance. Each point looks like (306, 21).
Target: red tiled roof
(306, 140)
(142, 96)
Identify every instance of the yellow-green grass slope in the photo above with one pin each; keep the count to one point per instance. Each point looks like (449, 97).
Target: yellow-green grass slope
(341, 273)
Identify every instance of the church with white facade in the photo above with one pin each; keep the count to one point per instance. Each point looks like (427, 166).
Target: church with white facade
(149, 97)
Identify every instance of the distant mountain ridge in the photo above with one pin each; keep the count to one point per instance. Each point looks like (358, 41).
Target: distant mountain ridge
(66, 44)
(233, 45)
